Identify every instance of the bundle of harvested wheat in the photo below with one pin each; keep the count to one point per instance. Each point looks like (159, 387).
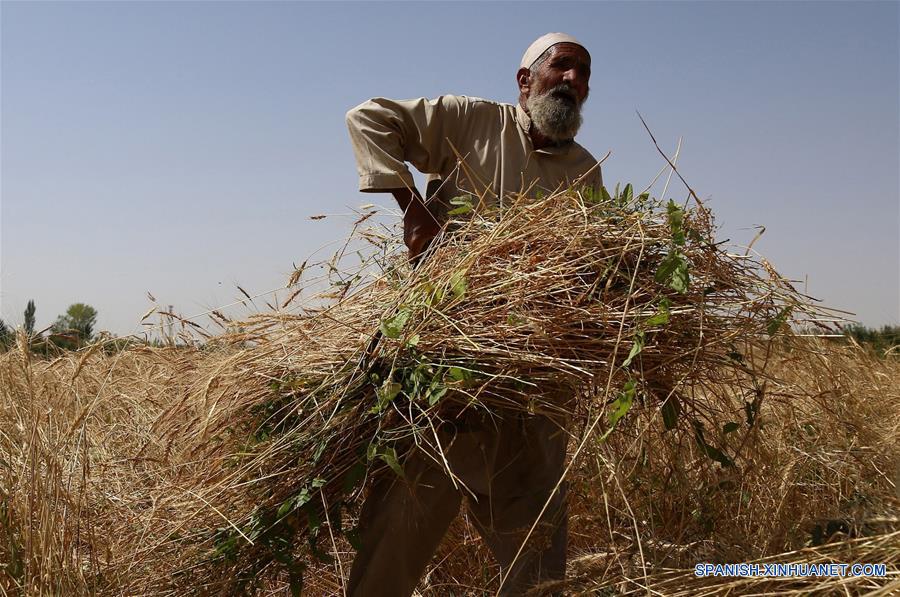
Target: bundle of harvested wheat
(611, 299)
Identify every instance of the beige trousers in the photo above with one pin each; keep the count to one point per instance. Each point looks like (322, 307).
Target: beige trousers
(512, 466)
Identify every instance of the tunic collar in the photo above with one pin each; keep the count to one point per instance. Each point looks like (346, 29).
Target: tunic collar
(523, 118)
(525, 123)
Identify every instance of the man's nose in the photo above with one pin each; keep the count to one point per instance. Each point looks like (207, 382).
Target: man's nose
(574, 78)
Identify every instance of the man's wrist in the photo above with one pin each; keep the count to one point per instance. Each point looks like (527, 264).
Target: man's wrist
(416, 214)
(419, 224)
(404, 197)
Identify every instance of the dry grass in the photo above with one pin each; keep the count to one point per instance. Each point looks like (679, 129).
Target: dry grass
(166, 470)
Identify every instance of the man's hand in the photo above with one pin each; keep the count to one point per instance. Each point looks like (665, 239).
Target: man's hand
(419, 226)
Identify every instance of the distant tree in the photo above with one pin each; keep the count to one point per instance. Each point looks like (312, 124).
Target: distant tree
(881, 341)
(29, 318)
(76, 327)
(7, 336)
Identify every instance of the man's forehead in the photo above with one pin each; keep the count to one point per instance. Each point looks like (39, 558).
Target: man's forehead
(567, 49)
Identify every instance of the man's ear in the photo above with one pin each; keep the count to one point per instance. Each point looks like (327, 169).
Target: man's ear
(523, 78)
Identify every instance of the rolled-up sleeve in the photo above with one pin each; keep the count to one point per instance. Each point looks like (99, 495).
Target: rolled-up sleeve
(386, 134)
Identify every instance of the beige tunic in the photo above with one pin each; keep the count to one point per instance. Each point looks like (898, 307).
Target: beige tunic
(491, 139)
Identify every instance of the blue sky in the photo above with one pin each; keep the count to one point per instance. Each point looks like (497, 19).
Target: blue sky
(180, 148)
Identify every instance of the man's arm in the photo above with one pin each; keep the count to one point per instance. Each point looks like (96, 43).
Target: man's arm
(386, 134)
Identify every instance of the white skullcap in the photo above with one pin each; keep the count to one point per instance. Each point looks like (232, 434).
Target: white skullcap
(544, 43)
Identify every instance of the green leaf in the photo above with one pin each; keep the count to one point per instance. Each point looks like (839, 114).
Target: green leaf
(635, 348)
(458, 374)
(227, 548)
(718, 455)
(385, 394)
(661, 317)
(676, 222)
(666, 268)
(416, 377)
(458, 284)
(458, 211)
(320, 448)
(673, 271)
(389, 456)
(299, 500)
(605, 194)
(627, 194)
(711, 452)
(671, 409)
(623, 403)
(433, 295)
(413, 341)
(393, 326)
(778, 322)
(463, 205)
(680, 278)
(730, 427)
(286, 507)
(435, 394)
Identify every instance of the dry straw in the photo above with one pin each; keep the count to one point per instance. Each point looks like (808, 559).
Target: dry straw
(702, 431)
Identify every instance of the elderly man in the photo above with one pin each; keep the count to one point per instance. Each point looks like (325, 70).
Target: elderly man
(510, 466)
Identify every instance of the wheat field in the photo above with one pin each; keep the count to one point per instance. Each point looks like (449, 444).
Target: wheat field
(134, 469)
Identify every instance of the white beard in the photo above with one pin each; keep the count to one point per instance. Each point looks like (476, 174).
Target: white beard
(555, 117)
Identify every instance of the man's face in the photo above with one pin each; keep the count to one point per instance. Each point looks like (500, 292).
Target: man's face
(569, 65)
(556, 90)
